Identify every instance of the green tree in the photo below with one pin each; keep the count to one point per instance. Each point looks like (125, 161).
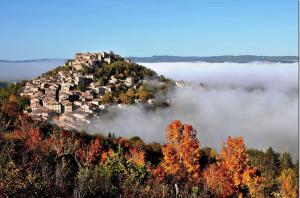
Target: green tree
(101, 81)
(286, 161)
(271, 168)
(81, 86)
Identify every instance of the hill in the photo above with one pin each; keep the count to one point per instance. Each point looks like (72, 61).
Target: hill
(88, 85)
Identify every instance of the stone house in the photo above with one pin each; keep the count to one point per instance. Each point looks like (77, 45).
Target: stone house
(67, 106)
(52, 104)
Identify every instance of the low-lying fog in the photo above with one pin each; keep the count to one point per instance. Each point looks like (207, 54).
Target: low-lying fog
(258, 101)
(26, 70)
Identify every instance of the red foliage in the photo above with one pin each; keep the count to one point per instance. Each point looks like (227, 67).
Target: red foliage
(94, 151)
(91, 154)
(159, 174)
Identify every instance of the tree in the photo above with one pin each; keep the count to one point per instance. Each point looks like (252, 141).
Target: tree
(107, 98)
(95, 150)
(86, 69)
(137, 156)
(271, 168)
(218, 180)
(181, 154)
(82, 86)
(286, 161)
(128, 97)
(233, 170)
(256, 158)
(144, 95)
(289, 183)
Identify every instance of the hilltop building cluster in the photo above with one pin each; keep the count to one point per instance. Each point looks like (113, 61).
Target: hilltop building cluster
(58, 97)
(93, 60)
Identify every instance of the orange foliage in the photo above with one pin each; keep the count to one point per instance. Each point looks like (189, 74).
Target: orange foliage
(289, 183)
(218, 180)
(137, 156)
(182, 152)
(105, 155)
(89, 155)
(233, 170)
(234, 159)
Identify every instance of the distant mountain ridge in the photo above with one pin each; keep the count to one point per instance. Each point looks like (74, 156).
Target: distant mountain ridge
(216, 59)
(168, 58)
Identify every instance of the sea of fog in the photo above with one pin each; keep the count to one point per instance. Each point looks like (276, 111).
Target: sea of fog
(16, 71)
(258, 101)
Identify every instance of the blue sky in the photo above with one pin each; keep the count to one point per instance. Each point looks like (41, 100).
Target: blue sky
(59, 28)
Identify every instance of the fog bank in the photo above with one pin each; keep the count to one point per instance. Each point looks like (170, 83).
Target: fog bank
(258, 101)
(15, 71)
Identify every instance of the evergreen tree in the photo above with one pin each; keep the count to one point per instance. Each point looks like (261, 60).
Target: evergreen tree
(271, 164)
(286, 161)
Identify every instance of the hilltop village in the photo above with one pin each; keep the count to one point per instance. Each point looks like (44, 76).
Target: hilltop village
(85, 87)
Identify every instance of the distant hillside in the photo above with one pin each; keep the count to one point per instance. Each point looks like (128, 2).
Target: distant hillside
(216, 59)
(3, 84)
(167, 58)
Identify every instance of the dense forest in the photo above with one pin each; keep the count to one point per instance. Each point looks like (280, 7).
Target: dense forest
(42, 160)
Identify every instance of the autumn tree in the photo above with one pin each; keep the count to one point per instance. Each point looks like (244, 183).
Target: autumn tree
(89, 154)
(144, 94)
(137, 156)
(219, 181)
(232, 174)
(127, 97)
(181, 154)
(289, 183)
(107, 98)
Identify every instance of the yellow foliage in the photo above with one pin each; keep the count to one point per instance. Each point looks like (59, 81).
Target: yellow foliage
(289, 183)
